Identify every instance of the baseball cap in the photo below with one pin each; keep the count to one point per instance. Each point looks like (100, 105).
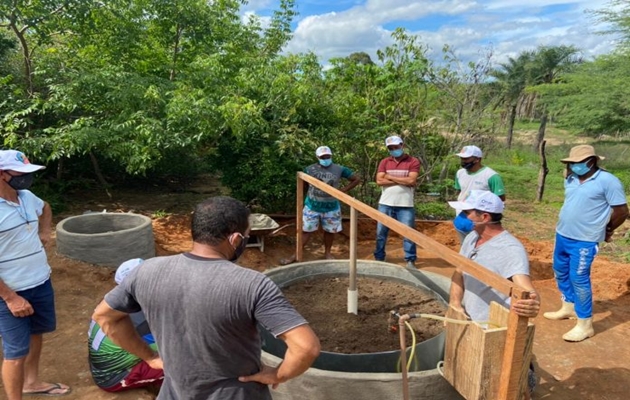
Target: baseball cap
(470, 151)
(125, 268)
(393, 141)
(323, 151)
(481, 200)
(13, 160)
(581, 153)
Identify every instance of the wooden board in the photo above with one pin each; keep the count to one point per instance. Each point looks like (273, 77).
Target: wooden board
(474, 354)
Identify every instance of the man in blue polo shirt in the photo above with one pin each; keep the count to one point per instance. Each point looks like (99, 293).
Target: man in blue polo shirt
(594, 206)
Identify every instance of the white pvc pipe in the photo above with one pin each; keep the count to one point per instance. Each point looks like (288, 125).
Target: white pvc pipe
(353, 302)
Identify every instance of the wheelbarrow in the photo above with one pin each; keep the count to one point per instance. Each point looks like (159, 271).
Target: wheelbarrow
(261, 226)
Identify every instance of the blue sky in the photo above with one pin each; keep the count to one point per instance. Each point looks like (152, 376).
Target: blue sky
(336, 28)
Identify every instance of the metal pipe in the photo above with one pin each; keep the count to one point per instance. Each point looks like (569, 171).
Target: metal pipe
(403, 358)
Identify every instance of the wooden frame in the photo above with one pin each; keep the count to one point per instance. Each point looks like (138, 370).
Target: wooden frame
(516, 340)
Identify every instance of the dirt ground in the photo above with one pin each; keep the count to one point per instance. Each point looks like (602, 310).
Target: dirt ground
(323, 302)
(597, 369)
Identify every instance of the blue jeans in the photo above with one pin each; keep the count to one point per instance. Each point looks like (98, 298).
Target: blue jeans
(406, 215)
(572, 261)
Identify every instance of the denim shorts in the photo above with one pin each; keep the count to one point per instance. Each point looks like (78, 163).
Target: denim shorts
(16, 331)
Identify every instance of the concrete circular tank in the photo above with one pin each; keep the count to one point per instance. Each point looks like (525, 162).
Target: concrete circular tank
(362, 376)
(106, 238)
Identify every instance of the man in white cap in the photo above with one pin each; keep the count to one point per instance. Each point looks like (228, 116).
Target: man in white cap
(27, 305)
(319, 206)
(473, 176)
(494, 248)
(113, 368)
(397, 175)
(594, 206)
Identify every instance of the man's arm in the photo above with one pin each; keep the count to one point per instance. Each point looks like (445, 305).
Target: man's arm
(45, 224)
(526, 307)
(382, 181)
(618, 216)
(302, 349)
(118, 327)
(457, 291)
(409, 180)
(354, 180)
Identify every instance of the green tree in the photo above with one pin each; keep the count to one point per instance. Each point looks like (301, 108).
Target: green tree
(593, 99)
(549, 66)
(512, 78)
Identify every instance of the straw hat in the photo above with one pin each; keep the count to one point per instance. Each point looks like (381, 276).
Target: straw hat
(581, 153)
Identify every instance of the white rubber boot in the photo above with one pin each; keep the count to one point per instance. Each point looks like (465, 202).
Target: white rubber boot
(565, 312)
(582, 330)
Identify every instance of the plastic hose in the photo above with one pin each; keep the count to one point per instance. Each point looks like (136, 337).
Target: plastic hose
(435, 317)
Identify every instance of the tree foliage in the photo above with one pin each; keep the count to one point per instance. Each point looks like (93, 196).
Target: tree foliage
(170, 89)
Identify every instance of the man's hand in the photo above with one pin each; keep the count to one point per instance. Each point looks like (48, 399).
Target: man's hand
(155, 362)
(527, 307)
(19, 306)
(267, 376)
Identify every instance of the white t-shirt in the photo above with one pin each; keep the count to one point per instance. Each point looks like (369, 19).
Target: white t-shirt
(480, 180)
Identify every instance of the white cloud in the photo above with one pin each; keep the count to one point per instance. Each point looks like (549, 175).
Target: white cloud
(468, 26)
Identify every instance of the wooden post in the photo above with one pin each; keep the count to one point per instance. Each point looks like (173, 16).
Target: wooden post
(542, 174)
(513, 352)
(298, 218)
(353, 294)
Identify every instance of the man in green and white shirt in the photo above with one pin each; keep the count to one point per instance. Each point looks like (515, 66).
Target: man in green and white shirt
(113, 368)
(473, 176)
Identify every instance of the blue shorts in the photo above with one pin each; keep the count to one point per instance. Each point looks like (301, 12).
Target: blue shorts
(16, 332)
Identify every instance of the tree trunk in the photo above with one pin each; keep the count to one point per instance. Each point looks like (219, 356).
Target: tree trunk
(99, 175)
(178, 35)
(510, 132)
(541, 131)
(542, 174)
(26, 55)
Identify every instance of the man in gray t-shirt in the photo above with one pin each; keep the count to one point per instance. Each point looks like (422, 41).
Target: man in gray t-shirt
(495, 249)
(204, 310)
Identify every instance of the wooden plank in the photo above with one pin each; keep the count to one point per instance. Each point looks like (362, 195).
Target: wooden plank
(490, 278)
(474, 352)
(513, 353)
(298, 218)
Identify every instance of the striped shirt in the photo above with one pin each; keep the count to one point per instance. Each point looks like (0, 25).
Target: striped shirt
(23, 262)
(398, 195)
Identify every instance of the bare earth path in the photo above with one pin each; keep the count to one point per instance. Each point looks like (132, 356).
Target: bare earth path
(597, 369)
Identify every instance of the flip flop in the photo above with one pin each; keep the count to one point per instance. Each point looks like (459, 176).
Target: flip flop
(50, 391)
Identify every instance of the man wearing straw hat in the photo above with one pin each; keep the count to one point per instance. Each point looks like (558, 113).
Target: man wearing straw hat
(594, 206)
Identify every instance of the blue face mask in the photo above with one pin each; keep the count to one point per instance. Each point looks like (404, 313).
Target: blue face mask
(580, 169)
(325, 162)
(396, 153)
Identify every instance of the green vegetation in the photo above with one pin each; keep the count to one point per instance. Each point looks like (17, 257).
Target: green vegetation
(147, 92)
